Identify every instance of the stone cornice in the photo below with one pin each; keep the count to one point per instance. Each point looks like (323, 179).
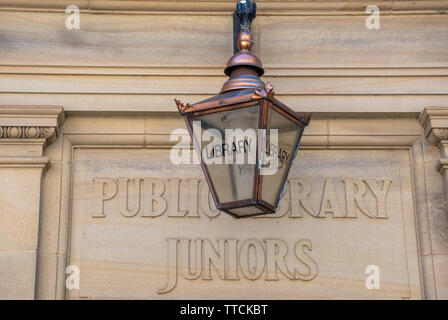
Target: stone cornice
(264, 7)
(435, 124)
(30, 123)
(24, 162)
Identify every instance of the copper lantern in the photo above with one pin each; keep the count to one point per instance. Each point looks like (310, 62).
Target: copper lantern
(246, 139)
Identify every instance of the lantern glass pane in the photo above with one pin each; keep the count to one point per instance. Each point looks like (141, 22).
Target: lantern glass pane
(230, 159)
(281, 153)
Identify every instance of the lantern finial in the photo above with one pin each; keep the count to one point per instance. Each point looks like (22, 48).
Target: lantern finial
(244, 68)
(244, 40)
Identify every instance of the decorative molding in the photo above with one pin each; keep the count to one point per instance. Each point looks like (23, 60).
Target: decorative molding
(326, 131)
(437, 135)
(30, 122)
(264, 7)
(435, 124)
(217, 70)
(80, 132)
(27, 132)
(442, 165)
(24, 162)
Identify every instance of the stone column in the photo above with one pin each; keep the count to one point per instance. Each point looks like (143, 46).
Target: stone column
(25, 131)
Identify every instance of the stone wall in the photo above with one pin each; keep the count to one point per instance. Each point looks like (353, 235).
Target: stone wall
(86, 182)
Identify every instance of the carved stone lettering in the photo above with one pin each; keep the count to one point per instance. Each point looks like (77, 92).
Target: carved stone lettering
(191, 198)
(305, 259)
(355, 190)
(125, 196)
(231, 268)
(300, 192)
(277, 249)
(252, 259)
(155, 204)
(207, 205)
(174, 197)
(213, 255)
(330, 203)
(380, 194)
(190, 258)
(105, 189)
(256, 258)
(144, 228)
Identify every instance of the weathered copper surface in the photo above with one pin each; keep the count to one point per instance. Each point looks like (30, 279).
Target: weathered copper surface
(244, 68)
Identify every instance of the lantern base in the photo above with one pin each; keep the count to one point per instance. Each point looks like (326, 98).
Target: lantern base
(247, 208)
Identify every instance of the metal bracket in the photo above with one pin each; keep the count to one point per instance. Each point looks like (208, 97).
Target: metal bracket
(245, 13)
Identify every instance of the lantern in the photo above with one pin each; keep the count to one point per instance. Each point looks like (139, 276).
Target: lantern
(245, 138)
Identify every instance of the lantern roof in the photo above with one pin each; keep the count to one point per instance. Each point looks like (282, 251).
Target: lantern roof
(238, 97)
(244, 70)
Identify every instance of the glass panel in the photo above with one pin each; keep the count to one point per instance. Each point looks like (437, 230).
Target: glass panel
(281, 153)
(230, 160)
(246, 211)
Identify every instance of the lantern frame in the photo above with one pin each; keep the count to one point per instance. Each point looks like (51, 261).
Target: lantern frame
(239, 99)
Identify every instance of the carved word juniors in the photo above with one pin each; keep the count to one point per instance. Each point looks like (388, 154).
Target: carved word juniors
(232, 260)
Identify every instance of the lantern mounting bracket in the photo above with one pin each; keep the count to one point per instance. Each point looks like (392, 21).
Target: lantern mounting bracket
(245, 13)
